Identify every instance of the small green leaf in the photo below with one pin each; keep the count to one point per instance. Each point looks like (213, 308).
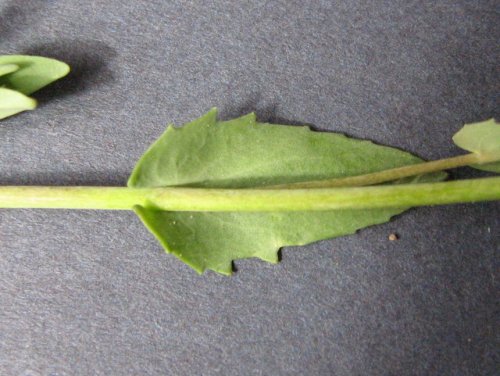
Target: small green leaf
(8, 68)
(481, 138)
(33, 72)
(242, 153)
(13, 102)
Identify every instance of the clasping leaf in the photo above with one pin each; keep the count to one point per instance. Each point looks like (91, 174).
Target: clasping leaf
(243, 153)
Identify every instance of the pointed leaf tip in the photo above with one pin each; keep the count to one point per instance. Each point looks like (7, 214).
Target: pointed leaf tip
(8, 68)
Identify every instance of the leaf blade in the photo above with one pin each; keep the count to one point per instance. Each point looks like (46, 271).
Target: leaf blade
(242, 153)
(212, 240)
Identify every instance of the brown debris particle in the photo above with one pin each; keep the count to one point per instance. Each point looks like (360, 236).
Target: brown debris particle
(393, 237)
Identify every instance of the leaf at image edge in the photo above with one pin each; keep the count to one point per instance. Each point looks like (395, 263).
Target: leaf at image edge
(481, 137)
(34, 73)
(12, 102)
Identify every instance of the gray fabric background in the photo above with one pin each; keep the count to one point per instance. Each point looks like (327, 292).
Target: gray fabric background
(92, 293)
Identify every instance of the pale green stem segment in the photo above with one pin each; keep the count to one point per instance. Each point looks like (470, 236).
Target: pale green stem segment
(198, 199)
(395, 173)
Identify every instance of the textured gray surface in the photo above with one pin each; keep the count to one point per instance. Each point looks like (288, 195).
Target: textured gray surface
(92, 293)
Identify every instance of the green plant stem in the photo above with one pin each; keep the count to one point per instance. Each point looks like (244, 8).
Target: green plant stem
(198, 199)
(395, 173)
